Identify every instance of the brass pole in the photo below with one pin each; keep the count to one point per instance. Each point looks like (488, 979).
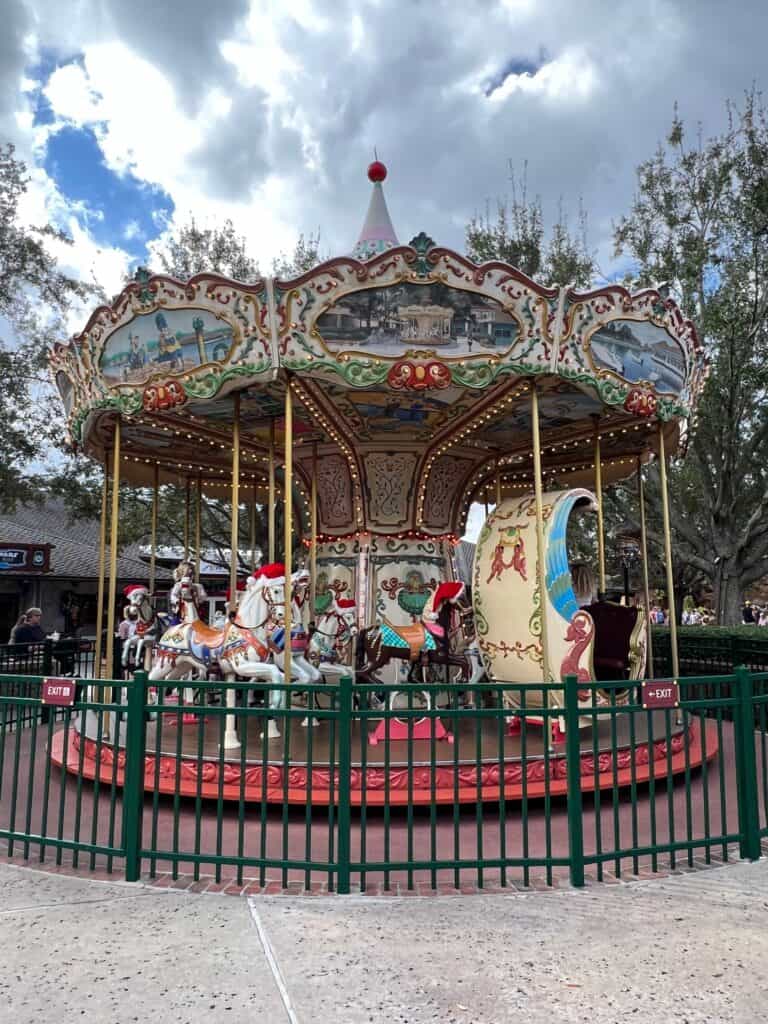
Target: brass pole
(668, 553)
(186, 520)
(102, 563)
(313, 536)
(644, 546)
(153, 530)
(271, 505)
(231, 741)
(253, 528)
(600, 524)
(288, 524)
(198, 525)
(498, 486)
(235, 523)
(540, 567)
(113, 537)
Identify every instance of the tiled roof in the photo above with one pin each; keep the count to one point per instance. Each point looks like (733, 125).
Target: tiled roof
(75, 543)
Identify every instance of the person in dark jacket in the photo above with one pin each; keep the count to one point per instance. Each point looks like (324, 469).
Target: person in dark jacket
(31, 632)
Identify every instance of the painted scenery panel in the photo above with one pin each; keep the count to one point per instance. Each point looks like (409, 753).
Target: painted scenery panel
(386, 321)
(168, 341)
(639, 351)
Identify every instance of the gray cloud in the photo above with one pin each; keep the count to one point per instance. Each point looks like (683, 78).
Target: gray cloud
(406, 90)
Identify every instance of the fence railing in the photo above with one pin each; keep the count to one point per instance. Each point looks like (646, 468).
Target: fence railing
(383, 792)
(710, 650)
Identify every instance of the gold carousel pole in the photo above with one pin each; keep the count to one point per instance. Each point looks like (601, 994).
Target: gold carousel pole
(288, 523)
(231, 741)
(540, 567)
(187, 504)
(271, 500)
(253, 527)
(102, 561)
(198, 525)
(113, 536)
(644, 546)
(668, 553)
(235, 522)
(153, 530)
(313, 537)
(600, 524)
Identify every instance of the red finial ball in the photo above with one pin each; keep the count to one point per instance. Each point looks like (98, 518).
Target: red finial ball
(376, 171)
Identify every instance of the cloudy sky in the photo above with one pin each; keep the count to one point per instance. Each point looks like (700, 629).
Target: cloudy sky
(136, 114)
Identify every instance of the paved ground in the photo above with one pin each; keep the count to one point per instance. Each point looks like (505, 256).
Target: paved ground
(687, 949)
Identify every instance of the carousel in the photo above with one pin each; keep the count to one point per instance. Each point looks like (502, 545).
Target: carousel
(373, 400)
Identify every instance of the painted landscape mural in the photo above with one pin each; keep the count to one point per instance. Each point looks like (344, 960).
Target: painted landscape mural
(386, 321)
(171, 341)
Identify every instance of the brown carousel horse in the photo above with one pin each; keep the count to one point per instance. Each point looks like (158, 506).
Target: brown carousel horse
(426, 644)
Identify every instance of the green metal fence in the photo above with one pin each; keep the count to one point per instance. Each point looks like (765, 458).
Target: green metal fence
(152, 787)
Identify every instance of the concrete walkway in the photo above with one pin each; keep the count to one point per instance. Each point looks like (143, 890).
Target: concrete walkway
(688, 949)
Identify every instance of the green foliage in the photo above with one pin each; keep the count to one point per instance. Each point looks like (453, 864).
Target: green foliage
(306, 255)
(195, 250)
(699, 228)
(30, 281)
(516, 234)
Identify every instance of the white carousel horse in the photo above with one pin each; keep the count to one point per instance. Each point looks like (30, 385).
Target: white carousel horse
(138, 647)
(302, 670)
(236, 649)
(331, 646)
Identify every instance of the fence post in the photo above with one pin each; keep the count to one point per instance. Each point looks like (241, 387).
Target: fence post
(746, 768)
(133, 779)
(343, 846)
(573, 766)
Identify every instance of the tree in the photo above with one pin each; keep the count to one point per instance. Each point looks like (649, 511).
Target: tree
(699, 227)
(305, 257)
(34, 296)
(517, 235)
(195, 250)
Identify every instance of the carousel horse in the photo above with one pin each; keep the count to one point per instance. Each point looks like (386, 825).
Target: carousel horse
(236, 649)
(301, 669)
(137, 649)
(330, 646)
(426, 643)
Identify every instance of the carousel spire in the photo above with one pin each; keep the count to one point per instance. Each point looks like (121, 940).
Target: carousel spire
(377, 234)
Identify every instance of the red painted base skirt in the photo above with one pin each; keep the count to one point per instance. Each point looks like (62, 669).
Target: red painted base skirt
(445, 783)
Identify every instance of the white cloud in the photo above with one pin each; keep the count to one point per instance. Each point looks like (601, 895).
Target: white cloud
(267, 112)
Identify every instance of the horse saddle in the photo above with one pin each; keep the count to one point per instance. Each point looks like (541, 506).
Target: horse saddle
(413, 638)
(208, 636)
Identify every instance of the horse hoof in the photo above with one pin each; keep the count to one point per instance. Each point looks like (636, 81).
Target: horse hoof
(306, 723)
(273, 733)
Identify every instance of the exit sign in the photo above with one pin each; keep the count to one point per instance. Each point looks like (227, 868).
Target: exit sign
(60, 692)
(660, 693)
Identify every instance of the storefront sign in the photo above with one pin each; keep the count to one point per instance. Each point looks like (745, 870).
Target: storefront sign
(25, 557)
(60, 692)
(660, 693)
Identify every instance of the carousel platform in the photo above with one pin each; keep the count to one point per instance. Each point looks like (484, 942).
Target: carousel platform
(479, 765)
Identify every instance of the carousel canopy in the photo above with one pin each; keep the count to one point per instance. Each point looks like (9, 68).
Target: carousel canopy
(411, 370)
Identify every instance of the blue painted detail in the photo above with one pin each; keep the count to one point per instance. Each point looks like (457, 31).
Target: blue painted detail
(558, 576)
(393, 639)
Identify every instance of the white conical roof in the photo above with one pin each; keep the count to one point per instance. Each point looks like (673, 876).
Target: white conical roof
(377, 234)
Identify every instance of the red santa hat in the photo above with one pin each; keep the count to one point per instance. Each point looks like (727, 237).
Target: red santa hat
(274, 572)
(345, 602)
(132, 587)
(450, 591)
